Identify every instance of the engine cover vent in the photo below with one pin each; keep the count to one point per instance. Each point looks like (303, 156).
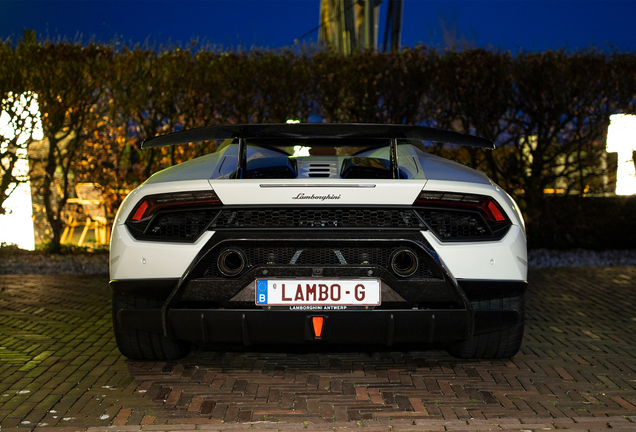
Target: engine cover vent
(316, 169)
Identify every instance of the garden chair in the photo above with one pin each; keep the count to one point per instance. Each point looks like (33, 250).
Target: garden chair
(91, 197)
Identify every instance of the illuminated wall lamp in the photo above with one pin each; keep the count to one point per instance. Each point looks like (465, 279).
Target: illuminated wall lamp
(621, 139)
(16, 226)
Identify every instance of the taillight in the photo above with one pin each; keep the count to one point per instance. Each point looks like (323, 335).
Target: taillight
(487, 205)
(139, 213)
(151, 203)
(495, 211)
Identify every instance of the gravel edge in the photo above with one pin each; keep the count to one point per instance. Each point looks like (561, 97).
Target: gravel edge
(54, 264)
(547, 258)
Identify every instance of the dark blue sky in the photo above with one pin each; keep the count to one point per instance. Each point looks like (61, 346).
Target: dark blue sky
(509, 24)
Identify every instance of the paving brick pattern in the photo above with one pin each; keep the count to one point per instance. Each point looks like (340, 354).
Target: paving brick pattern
(60, 370)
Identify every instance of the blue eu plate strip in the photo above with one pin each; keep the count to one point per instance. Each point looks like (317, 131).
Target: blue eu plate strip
(261, 292)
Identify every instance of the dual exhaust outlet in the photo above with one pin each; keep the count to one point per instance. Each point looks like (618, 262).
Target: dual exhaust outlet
(403, 262)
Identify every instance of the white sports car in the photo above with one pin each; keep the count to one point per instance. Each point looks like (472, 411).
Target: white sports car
(318, 233)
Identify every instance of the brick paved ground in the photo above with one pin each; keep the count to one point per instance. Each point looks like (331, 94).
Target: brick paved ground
(61, 371)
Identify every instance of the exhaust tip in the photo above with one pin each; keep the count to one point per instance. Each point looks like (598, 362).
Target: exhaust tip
(404, 262)
(231, 262)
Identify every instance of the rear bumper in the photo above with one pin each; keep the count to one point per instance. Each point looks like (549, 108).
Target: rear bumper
(275, 326)
(201, 306)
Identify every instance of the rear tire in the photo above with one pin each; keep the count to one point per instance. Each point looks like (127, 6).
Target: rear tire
(495, 345)
(141, 345)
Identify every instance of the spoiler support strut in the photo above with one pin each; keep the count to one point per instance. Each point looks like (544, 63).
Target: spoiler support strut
(395, 170)
(242, 158)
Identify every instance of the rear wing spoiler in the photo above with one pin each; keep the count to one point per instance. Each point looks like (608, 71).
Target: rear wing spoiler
(317, 130)
(300, 131)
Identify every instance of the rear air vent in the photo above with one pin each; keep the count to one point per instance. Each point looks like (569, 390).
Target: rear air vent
(317, 218)
(318, 169)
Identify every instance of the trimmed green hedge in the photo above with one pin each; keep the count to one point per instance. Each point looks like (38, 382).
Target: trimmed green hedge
(547, 112)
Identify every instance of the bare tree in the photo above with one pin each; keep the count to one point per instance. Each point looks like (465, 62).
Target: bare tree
(562, 103)
(69, 82)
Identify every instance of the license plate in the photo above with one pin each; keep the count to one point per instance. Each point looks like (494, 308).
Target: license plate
(292, 292)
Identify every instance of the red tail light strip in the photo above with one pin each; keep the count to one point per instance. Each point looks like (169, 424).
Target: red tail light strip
(486, 204)
(495, 211)
(151, 203)
(139, 213)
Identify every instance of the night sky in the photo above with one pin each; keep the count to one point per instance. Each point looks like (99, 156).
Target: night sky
(510, 25)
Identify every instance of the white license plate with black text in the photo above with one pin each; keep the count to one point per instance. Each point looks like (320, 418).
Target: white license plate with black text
(294, 292)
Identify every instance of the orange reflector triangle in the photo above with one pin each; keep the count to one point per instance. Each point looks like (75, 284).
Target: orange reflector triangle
(317, 322)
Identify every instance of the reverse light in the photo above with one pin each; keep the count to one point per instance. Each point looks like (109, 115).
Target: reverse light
(151, 203)
(487, 205)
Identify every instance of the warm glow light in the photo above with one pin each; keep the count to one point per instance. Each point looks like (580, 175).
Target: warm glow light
(621, 139)
(300, 151)
(16, 225)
